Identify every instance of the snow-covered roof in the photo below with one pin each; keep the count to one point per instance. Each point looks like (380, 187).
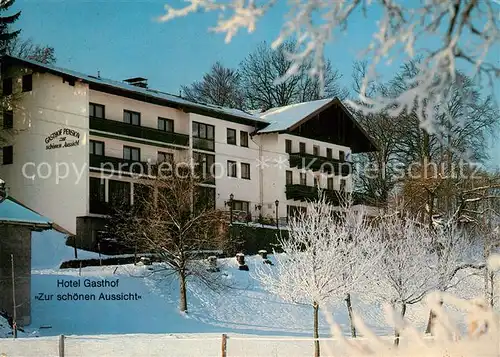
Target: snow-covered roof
(13, 212)
(146, 92)
(282, 118)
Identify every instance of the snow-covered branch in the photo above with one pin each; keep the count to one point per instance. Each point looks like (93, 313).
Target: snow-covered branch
(405, 273)
(442, 35)
(324, 257)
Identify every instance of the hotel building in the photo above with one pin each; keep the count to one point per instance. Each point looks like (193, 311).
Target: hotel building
(64, 131)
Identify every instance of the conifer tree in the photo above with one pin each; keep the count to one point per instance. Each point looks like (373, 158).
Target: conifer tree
(6, 36)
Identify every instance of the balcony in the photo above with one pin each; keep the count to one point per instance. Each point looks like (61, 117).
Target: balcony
(310, 193)
(318, 163)
(118, 164)
(141, 132)
(204, 144)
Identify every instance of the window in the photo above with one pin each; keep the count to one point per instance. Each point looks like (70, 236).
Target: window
(203, 136)
(245, 171)
(316, 150)
(132, 154)
(241, 206)
(165, 157)
(96, 189)
(142, 194)
(343, 184)
(8, 155)
(341, 155)
(96, 147)
(8, 119)
(119, 193)
(166, 125)
(295, 211)
(96, 110)
(27, 84)
(329, 153)
(316, 181)
(130, 117)
(231, 169)
(288, 146)
(205, 198)
(289, 178)
(7, 86)
(302, 148)
(97, 195)
(244, 139)
(303, 179)
(204, 164)
(329, 183)
(231, 136)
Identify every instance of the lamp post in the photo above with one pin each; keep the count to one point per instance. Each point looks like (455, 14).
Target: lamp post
(277, 204)
(231, 197)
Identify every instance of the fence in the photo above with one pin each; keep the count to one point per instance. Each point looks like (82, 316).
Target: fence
(204, 345)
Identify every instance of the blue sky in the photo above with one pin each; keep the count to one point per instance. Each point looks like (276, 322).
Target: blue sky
(121, 39)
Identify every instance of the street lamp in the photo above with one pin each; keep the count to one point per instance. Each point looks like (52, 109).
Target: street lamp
(231, 197)
(277, 204)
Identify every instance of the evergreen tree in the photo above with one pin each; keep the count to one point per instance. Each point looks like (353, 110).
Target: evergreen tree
(5, 21)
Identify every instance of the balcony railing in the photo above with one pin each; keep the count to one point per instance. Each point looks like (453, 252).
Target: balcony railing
(320, 163)
(311, 193)
(118, 164)
(141, 132)
(204, 144)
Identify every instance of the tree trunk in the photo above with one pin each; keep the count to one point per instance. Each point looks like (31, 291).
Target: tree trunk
(430, 322)
(396, 334)
(316, 333)
(492, 288)
(183, 297)
(349, 311)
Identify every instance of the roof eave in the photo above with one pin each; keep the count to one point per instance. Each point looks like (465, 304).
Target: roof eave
(35, 226)
(319, 110)
(363, 131)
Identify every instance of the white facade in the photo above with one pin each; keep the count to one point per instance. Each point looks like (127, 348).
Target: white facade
(55, 104)
(50, 181)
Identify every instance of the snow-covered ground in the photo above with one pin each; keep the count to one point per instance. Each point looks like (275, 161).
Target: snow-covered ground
(243, 310)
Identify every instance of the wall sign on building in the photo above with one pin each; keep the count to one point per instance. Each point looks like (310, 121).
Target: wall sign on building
(62, 138)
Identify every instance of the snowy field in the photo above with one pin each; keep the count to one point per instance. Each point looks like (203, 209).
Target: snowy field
(247, 313)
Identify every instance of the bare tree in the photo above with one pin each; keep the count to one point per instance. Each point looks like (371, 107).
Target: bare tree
(322, 260)
(27, 49)
(220, 86)
(426, 164)
(404, 275)
(452, 252)
(174, 218)
(464, 33)
(261, 69)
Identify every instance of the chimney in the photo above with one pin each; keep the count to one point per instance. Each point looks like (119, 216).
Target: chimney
(137, 81)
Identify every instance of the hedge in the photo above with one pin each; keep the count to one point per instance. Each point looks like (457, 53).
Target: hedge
(250, 239)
